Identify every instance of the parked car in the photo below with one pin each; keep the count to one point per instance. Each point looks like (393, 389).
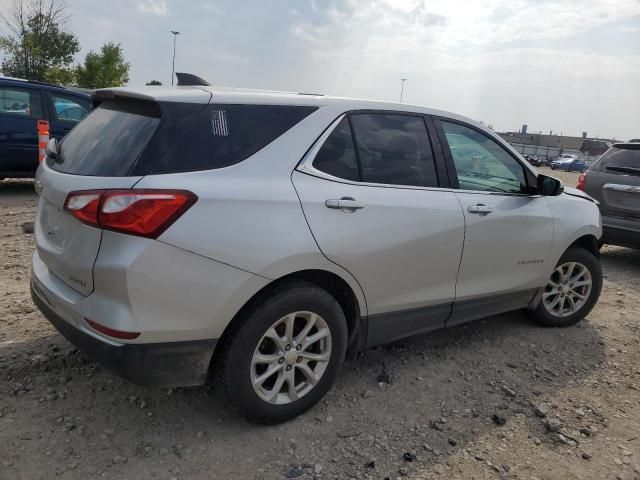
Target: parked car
(533, 160)
(614, 180)
(22, 104)
(262, 234)
(570, 165)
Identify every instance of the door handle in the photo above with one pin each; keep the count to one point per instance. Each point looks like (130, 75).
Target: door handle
(480, 208)
(346, 204)
(621, 188)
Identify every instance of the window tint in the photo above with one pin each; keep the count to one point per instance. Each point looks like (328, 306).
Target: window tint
(121, 138)
(109, 141)
(481, 163)
(337, 156)
(621, 160)
(394, 149)
(224, 135)
(70, 108)
(21, 102)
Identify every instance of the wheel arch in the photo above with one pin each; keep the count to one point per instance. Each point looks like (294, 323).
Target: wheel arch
(588, 242)
(350, 300)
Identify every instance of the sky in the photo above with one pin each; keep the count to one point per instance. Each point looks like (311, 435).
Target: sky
(568, 65)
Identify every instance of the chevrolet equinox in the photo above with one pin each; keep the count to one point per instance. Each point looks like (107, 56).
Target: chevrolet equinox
(259, 235)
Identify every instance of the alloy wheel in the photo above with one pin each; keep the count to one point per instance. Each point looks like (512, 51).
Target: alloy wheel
(291, 357)
(568, 289)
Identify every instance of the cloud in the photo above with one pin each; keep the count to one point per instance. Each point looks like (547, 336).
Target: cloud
(153, 7)
(503, 61)
(569, 65)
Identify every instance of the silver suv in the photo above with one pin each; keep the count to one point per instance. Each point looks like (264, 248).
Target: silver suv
(261, 235)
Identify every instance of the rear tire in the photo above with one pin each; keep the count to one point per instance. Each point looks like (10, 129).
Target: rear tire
(573, 290)
(273, 335)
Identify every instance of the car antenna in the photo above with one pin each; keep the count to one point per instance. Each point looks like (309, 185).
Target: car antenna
(189, 79)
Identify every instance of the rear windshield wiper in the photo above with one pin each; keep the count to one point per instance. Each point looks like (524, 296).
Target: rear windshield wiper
(629, 170)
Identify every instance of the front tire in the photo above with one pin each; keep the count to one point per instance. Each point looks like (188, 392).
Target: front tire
(284, 353)
(572, 291)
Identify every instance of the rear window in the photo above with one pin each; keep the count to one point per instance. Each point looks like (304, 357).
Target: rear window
(109, 141)
(134, 138)
(621, 160)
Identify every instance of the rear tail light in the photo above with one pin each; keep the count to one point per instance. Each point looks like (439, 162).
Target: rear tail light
(145, 213)
(84, 206)
(582, 180)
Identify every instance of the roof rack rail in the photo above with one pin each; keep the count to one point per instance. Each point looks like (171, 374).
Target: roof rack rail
(189, 79)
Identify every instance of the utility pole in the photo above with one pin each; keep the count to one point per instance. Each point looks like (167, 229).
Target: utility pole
(402, 88)
(173, 63)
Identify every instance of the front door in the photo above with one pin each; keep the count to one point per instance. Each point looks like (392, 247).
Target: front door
(369, 191)
(509, 230)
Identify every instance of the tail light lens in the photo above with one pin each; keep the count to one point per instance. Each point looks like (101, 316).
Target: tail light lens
(145, 213)
(84, 206)
(582, 180)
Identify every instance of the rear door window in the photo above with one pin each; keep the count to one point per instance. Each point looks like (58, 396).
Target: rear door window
(20, 102)
(337, 156)
(394, 149)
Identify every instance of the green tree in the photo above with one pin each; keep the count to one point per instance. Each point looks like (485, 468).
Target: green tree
(37, 46)
(154, 82)
(106, 68)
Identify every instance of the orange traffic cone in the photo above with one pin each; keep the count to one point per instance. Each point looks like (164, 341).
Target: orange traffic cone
(43, 139)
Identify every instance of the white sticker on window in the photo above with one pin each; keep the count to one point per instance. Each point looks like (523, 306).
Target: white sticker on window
(219, 123)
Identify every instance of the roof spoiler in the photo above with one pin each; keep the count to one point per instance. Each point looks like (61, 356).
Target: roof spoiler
(99, 96)
(188, 79)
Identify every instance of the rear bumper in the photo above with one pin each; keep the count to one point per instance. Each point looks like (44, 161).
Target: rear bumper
(167, 364)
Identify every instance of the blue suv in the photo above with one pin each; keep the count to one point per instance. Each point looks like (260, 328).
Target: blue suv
(22, 104)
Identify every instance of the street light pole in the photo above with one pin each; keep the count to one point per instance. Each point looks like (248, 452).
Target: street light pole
(402, 88)
(173, 62)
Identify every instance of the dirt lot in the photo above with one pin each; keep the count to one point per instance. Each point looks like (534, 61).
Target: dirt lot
(470, 402)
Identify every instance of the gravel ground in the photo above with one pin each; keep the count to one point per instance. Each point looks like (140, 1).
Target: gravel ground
(498, 398)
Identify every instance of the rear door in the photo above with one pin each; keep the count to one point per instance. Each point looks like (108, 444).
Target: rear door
(371, 195)
(97, 155)
(614, 180)
(20, 109)
(509, 231)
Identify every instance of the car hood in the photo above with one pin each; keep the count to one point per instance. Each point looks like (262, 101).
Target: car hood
(574, 192)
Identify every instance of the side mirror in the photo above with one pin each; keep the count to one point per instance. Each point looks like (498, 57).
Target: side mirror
(52, 149)
(549, 186)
